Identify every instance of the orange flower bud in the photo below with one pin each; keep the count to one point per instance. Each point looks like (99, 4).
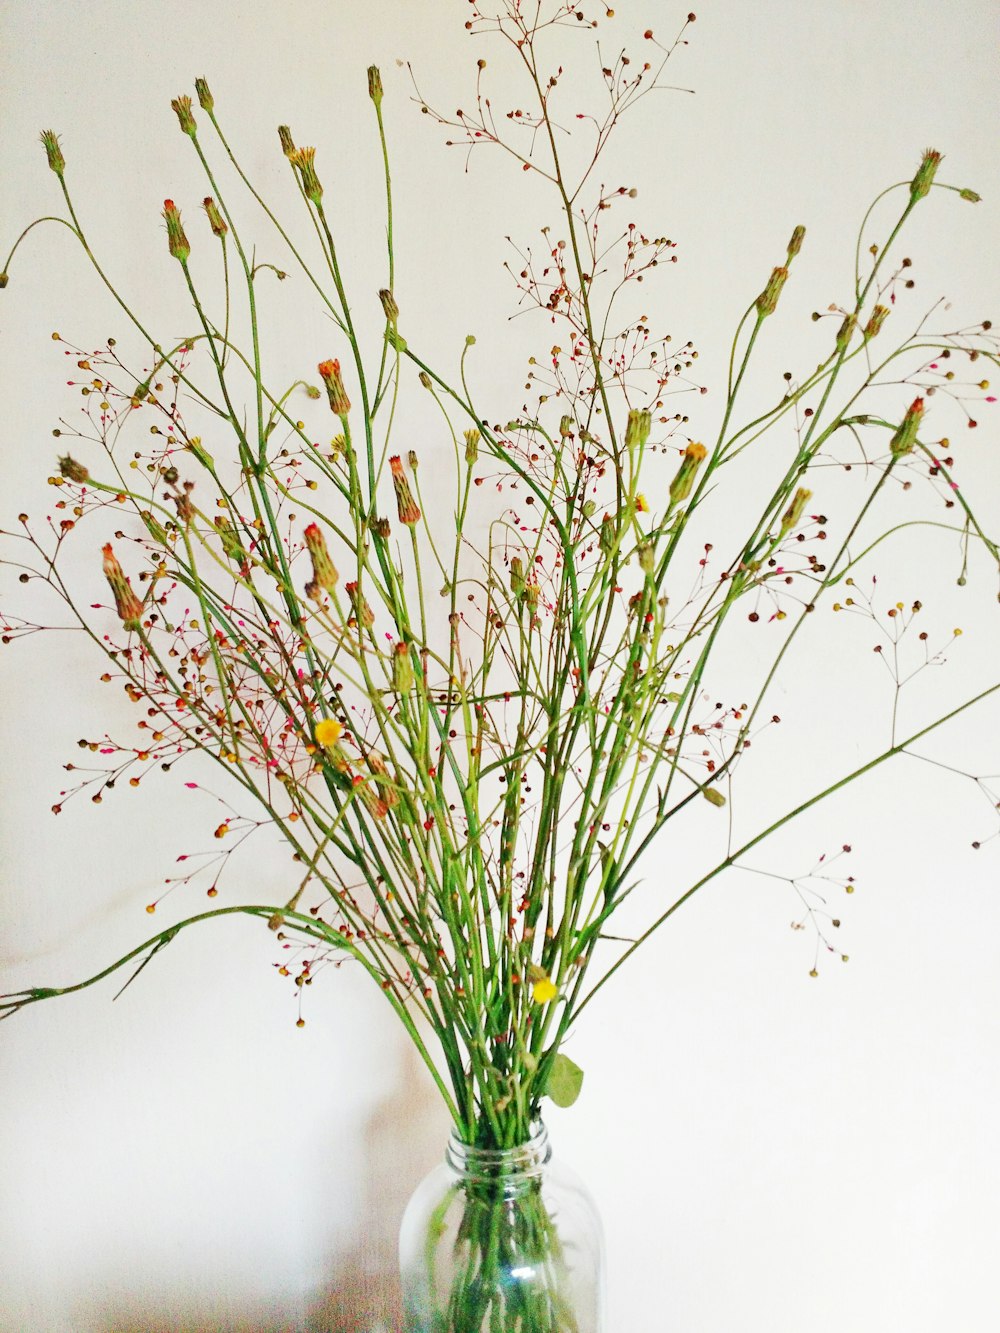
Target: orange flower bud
(127, 604)
(181, 107)
(609, 534)
(680, 487)
(324, 573)
(876, 319)
(767, 302)
(330, 374)
(380, 772)
(389, 307)
(304, 159)
(373, 803)
(905, 435)
(375, 84)
(53, 152)
(176, 239)
(362, 611)
(215, 219)
(409, 511)
(920, 186)
(402, 669)
(845, 332)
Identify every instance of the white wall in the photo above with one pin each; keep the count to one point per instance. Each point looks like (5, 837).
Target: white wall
(770, 1152)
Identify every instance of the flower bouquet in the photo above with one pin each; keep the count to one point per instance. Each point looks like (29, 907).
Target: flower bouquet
(465, 675)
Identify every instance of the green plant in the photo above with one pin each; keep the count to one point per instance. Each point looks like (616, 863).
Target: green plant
(470, 741)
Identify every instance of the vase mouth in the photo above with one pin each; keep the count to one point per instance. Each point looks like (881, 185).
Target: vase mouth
(523, 1159)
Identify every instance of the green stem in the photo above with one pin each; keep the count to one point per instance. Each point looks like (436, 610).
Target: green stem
(890, 753)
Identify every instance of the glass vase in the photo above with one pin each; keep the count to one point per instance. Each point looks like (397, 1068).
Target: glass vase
(495, 1240)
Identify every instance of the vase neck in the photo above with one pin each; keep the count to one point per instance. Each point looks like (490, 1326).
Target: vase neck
(524, 1160)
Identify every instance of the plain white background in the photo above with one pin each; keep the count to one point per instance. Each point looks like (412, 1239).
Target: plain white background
(770, 1152)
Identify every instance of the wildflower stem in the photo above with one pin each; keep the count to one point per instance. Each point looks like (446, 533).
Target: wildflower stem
(733, 857)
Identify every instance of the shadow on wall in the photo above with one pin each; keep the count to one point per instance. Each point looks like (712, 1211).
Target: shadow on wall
(405, 1137)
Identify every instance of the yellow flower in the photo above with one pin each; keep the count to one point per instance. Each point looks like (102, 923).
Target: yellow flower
(328, 732)
(641, 506)
(544, 990)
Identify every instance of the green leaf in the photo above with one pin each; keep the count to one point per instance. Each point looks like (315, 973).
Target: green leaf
(565, 1081)
(609, 872)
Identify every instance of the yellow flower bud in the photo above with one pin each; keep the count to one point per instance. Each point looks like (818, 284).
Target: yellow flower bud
(794, 511)
(680, 487)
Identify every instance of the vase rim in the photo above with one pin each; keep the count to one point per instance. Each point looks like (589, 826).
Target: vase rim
(527, 1158)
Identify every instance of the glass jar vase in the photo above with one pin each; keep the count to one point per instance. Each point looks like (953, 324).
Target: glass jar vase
(500, 1239)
